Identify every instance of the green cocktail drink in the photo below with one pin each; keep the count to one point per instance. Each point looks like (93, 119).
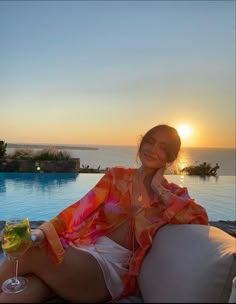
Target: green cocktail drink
(16, 240)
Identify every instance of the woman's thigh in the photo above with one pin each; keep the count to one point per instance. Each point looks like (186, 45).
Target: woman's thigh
(78, 278)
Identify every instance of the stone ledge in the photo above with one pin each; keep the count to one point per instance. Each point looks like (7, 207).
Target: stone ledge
(227, 226)
(71, 165)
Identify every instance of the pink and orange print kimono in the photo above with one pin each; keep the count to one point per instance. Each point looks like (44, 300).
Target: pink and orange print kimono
(106, 206)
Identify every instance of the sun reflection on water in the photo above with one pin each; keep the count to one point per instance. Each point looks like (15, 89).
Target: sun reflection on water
(183, 160)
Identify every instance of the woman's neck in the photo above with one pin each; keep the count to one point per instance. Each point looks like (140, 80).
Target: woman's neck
(144, 177)
(146, 174)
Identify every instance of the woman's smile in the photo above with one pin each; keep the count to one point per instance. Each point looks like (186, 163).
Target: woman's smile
(150, 157)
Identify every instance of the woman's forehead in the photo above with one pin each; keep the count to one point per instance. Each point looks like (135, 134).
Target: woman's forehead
(161, 135)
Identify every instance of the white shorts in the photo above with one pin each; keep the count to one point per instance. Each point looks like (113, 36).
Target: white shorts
(113, 260)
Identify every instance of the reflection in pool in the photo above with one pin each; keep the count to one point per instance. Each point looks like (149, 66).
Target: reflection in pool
(41, 196)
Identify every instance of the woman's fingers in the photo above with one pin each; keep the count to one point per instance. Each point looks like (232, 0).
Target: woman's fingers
(33, 237)
(37, 236)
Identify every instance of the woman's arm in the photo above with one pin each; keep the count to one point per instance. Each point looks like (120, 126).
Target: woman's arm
(71, 218)
(182, 209)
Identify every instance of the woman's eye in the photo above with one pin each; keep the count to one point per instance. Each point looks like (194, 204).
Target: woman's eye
(166, 150)
(163, 147)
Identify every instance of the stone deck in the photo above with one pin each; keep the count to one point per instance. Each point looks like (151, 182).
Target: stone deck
(227, 226)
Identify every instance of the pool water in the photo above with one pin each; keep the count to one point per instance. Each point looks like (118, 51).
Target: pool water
(41, 196)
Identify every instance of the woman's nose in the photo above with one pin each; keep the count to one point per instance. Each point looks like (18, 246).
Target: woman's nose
(154, 147)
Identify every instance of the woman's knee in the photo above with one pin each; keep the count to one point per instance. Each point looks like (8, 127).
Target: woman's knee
(35, 292)
(33, 259)
(70, 279)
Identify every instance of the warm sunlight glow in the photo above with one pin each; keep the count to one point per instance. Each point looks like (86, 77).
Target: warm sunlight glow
(184, 131)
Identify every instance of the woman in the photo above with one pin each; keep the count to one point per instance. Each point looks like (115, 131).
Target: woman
(93, 250)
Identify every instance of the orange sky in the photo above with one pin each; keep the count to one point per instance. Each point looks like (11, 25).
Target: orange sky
(105, 72)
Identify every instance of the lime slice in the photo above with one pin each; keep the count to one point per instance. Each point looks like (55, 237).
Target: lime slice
(26, 221)
(12, 245)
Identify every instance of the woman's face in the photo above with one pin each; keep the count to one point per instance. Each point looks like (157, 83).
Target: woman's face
(155, 149)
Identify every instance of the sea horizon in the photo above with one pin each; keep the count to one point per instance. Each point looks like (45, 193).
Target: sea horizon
(105, 156)
(71, 145)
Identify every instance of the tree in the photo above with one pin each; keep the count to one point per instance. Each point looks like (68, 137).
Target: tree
(203, 169)
(3, 148)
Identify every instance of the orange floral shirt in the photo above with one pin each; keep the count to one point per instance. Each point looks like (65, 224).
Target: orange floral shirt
(106, 206)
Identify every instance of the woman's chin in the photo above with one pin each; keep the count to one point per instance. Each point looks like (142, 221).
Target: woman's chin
(150, 165)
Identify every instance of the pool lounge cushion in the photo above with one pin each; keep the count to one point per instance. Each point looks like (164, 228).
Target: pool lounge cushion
(187, 264)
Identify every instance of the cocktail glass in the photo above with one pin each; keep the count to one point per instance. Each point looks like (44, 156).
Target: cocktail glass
(16, 240)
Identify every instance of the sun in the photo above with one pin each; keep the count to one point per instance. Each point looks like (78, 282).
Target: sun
(184, 131)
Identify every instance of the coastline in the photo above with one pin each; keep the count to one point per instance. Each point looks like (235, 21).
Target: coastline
(105, 156)
(43, 146)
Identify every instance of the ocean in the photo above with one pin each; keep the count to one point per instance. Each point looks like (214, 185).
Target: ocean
(109, 156)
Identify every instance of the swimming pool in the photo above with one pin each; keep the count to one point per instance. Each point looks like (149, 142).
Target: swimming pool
(41, 196)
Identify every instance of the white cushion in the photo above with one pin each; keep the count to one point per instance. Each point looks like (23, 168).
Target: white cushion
(189, 263)
(232, 298)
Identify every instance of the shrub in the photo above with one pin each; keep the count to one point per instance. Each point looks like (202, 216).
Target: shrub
(87, 169)
(22, 154)
(45, 154)
(51, 154)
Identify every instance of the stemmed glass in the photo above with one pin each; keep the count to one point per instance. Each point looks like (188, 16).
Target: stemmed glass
(16, 239)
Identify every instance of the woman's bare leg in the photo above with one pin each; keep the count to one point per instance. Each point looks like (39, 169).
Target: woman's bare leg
(78, 278)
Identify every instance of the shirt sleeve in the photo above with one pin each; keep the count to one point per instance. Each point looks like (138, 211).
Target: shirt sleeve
(73, 216)
(182, 209)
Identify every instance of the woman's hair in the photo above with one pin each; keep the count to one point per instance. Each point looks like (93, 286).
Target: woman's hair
(172, 149)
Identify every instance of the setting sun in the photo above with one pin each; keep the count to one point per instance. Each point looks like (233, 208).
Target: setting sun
(184, 131)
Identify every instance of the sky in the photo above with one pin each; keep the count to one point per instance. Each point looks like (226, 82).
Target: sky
(104, 72)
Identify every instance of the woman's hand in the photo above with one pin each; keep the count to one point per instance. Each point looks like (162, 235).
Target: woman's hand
(37, 237)
(157, 187)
